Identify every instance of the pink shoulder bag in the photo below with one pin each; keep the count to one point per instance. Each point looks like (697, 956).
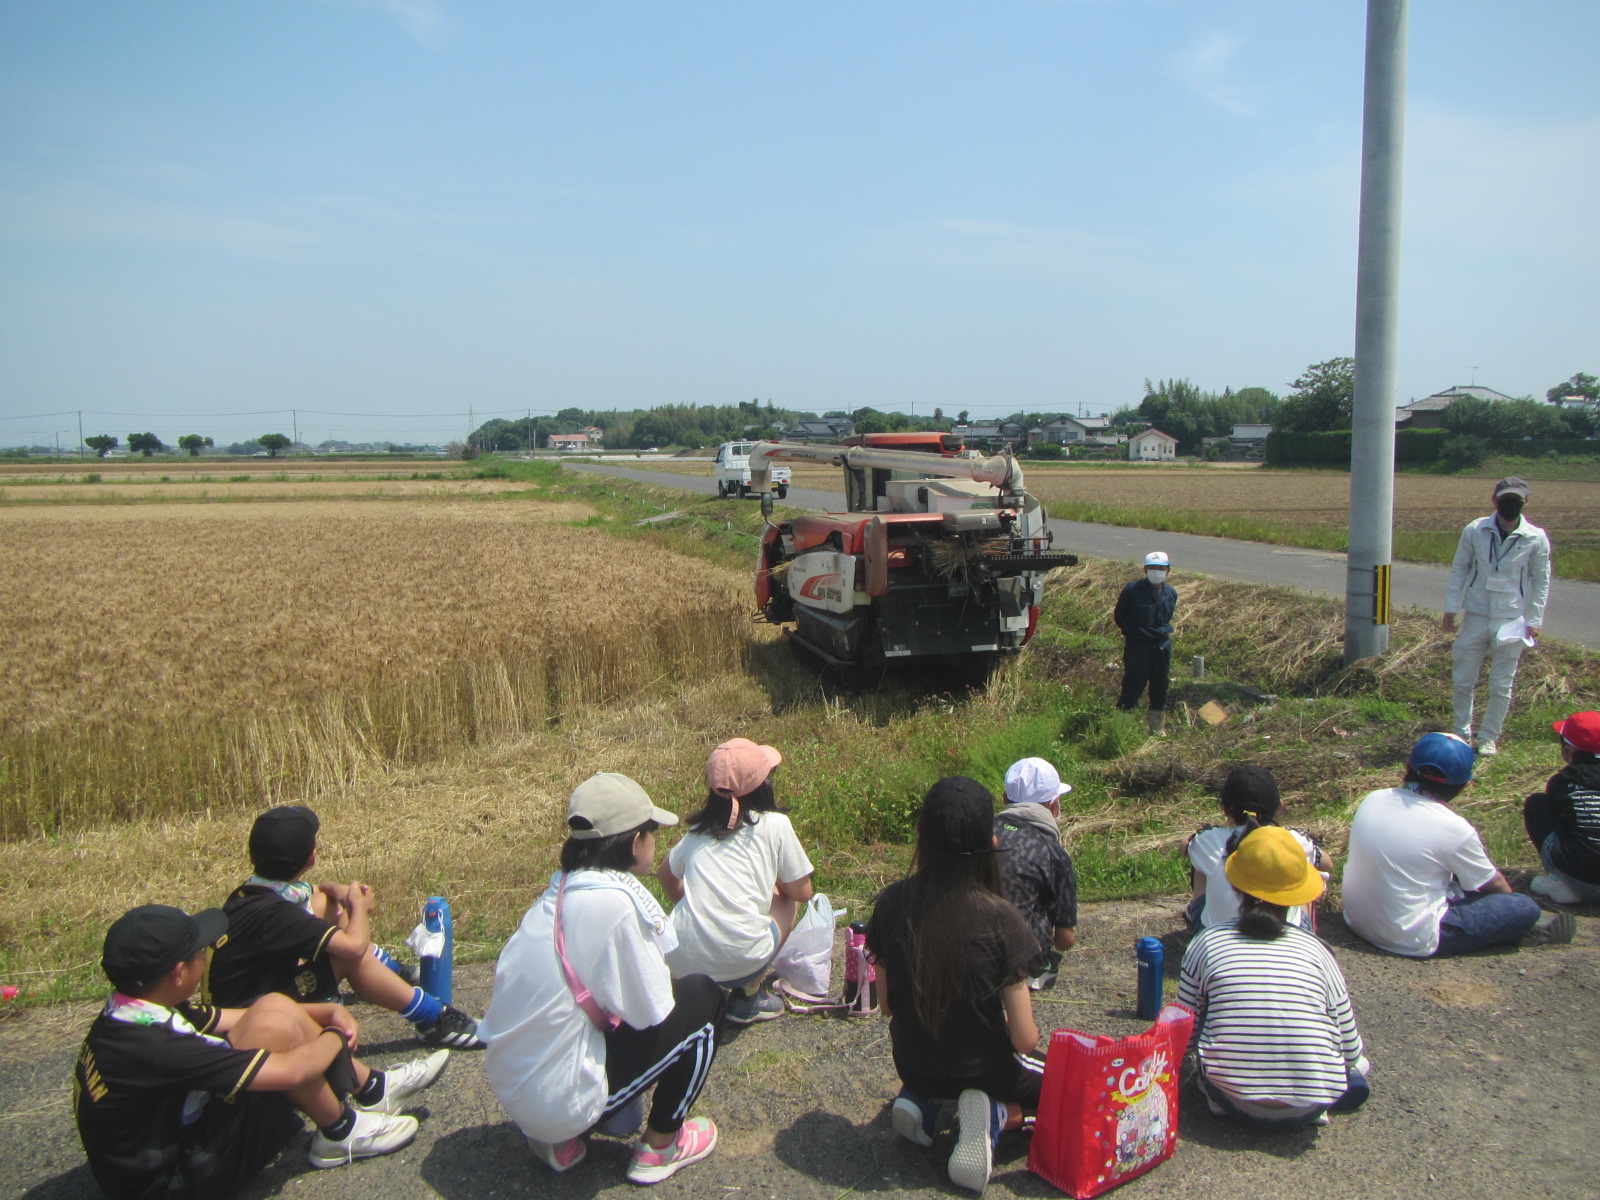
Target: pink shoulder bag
(603, 1021)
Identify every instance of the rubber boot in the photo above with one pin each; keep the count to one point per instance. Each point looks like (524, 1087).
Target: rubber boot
(1157, 721)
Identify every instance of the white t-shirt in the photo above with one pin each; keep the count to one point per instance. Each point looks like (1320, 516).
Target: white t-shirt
(1208, 851)
(546, 1061)
(723, 922)
(1408, 856)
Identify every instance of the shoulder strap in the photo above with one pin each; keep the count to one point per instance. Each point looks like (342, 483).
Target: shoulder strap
(603, 1021)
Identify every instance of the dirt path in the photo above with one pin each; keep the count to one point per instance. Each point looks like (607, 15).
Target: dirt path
(1482, 1071)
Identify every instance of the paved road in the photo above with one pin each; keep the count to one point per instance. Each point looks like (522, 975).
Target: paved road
(1573, 614)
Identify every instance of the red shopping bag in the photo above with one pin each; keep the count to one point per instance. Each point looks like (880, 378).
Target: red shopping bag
(1108, 1110)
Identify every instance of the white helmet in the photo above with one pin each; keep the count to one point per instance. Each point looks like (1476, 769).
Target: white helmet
(1157, 558)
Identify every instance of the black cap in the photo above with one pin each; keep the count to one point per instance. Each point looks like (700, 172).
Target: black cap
(144, 943)
(281, 841)
(1251, 789)
(958, 816)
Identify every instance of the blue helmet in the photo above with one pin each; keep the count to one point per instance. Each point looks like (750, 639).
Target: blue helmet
(1442, 758)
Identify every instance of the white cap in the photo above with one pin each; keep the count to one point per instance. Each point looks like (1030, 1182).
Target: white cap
(1034, 781)
(1157, 558)
(612, 804)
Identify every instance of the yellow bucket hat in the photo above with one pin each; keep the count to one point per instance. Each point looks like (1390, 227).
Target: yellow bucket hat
(1270, 865)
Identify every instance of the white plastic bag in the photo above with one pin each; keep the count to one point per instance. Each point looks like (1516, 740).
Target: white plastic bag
(806, 960)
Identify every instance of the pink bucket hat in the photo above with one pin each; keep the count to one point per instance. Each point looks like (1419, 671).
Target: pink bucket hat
(738, 767)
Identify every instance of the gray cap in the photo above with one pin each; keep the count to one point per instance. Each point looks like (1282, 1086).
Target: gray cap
(611, 804)
(1511, 485)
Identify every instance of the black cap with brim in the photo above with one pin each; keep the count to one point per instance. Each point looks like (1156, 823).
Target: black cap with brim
(146, 942)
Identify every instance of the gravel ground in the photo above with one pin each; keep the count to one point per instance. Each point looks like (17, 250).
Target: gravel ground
(1481, 1066)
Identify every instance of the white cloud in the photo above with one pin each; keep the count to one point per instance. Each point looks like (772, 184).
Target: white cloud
(419, 18)
(1207, 69)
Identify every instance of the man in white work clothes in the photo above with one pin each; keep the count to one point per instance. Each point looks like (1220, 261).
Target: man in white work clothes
(1499, 582)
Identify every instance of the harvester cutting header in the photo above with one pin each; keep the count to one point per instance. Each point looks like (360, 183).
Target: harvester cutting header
(941, 554)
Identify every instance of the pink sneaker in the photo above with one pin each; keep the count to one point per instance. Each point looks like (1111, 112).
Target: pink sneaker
(560, 1156)
(696, 1140)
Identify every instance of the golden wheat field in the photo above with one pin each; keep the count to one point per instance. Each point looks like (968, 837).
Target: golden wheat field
(176, 658)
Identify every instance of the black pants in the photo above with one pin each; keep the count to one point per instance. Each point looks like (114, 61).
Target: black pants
(1142, 665)
(674, 1055)
(1017, 1082)
(1539, 818)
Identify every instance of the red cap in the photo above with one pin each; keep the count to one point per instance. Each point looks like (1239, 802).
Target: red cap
(739, 767)
(1581, 731)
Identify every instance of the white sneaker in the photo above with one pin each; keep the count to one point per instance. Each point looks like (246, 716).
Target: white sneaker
(1487, 747)
(375, 1133)
(406, 1080)
(1555, 889)
(973, 1158)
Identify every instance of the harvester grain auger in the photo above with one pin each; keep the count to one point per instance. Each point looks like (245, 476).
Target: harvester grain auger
(942, 554)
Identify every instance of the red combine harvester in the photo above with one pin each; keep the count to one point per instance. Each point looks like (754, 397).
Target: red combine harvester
(942, 554)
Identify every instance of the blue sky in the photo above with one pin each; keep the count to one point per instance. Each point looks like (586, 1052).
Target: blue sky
(384, 212)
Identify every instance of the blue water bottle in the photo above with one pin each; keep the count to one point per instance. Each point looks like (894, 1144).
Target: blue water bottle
(1152, 959)
(436, 971)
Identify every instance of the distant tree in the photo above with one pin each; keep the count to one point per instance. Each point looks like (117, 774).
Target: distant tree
(144, 443)
(1580, 384)
(272, 443)
(938, 414)
(961, 417)
(194, 443)
(1321, 400)
(245, 449)
(1525, 418)
(101, 443)
(870, 420)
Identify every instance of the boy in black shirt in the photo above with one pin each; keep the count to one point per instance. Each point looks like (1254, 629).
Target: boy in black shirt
(1039, 877)
(181, 1101)
(286, 935)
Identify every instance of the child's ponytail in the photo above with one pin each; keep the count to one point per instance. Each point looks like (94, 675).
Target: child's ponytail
(1250, 794)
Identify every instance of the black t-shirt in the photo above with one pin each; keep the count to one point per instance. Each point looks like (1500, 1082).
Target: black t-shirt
(1040, 881)
(272, 946)
(131, 1092)
(1576, 792)
(973, 1039)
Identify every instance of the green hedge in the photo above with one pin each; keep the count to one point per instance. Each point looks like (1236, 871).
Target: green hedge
(1412, 447)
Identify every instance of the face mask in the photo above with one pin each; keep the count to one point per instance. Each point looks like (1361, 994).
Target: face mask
(1509, 506)
(1155, 575)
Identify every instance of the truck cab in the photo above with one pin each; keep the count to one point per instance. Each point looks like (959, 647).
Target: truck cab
(731, 469)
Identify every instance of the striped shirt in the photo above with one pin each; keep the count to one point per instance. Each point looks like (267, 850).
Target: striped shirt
(1273, 1018)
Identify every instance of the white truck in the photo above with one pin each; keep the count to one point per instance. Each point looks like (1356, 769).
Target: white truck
(731, 469)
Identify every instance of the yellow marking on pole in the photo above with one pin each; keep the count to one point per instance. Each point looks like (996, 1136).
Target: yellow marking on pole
(1380, 596)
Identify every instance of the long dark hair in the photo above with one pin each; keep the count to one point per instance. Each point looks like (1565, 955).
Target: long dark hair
(956, 880)
(712, 819)
(1260, 920)
(614, 853)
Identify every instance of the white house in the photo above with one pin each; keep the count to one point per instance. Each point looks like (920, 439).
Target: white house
(1065, 430)
(1248, 435)
(1152, 446)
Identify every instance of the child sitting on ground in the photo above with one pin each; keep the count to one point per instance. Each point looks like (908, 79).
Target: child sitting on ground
(1276, 1039)
(952, 959)
(289, 936)
(736, 880)
(1039, 878)
(187, 1102)
(586, 1017)
(1564, 819)
(1249, 800)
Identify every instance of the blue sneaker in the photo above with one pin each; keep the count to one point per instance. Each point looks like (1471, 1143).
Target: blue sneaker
(912, 1117)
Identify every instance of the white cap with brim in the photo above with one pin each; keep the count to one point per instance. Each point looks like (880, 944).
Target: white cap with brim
(1157, 558)
(1034, 781)
(611, 804)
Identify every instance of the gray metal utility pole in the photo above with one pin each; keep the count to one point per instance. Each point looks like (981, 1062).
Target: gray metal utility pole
(1366, 608)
